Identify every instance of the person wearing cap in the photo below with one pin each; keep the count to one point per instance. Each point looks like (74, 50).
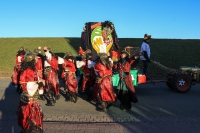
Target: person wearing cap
(29, 112)
(69, 77)
(16, 73)
(145, 53)
(103, 93)
(52, 87)
(125, 90)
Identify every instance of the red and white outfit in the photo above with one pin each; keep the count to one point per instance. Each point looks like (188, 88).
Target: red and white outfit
(29, 111)
(88, 74)
(69, 75)
(51, 76)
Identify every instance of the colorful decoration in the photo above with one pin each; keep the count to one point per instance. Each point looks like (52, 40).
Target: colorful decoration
(101, 37)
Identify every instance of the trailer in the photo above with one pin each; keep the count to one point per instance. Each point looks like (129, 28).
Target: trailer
(101, 37)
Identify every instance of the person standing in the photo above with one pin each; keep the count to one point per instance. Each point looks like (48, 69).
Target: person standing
(103, 93)
(16, 73)
(125, 90)
(39, 65)
(69, 77)
(145, 53)
(89, 76)
(52, 87)
(29, 112)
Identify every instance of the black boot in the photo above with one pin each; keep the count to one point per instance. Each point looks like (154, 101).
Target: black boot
(74, 97)
(57, 97)
(41, 97)
(50, 100)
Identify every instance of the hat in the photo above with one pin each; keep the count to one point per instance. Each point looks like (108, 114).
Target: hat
(125, 52)
(36, 51)
(67, 54)
(21, 49)
(29, 57)
(147, 37)
(88, 51)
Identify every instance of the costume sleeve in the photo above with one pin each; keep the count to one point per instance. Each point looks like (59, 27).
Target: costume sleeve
(23, 79)
(131, 60)
(54, 63)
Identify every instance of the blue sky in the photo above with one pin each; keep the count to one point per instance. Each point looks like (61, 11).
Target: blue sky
(177, 19)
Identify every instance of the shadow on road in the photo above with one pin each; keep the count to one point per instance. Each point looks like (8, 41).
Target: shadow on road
(8, 109)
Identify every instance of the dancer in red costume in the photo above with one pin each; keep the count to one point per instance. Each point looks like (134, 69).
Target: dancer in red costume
(69, 77)
(30, 114)
(88, 74)
(39, 67)
(52, 87)
(104, 92)
(16, 73)
(125, 90)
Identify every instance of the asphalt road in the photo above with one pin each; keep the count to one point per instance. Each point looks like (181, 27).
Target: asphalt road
(159, 110)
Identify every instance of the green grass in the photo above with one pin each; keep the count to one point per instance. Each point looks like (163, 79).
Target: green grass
(172, 53)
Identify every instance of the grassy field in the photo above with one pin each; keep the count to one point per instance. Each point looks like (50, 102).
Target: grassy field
(172, 53)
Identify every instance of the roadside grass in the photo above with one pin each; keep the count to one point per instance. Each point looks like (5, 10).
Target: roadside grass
(172, 53)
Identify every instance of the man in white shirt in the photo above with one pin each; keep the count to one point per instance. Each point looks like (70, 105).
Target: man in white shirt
(145, 53)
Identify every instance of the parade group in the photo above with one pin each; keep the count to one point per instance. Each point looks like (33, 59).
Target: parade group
(36, 77)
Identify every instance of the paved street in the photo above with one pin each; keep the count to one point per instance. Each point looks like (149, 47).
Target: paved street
(159, 110)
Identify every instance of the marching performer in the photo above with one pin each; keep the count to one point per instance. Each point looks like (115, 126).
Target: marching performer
(103, 91)
(39, 65)
(69, 77)
(16, 74)
(52, 87)
(88, 74)
(125, 90)
(29, 113)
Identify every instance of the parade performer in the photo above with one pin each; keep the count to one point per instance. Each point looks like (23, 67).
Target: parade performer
(39, 65)
(89, 74)
(69, 77)
(79, 64)
(104, 92)
(16, 73)
(29, 113)
(52, 86)
(125, 90)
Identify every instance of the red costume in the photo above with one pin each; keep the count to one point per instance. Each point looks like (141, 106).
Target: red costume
(51, 76)
(69, 78)
(52, 86)
(88, 79)
(86, 76)
(30, 114)
(18, 59)
(39, 66)
(103, 91)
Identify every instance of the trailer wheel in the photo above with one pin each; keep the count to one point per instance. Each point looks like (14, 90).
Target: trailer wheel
(182, 82)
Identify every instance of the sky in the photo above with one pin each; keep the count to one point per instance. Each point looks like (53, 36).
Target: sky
(168, 19)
